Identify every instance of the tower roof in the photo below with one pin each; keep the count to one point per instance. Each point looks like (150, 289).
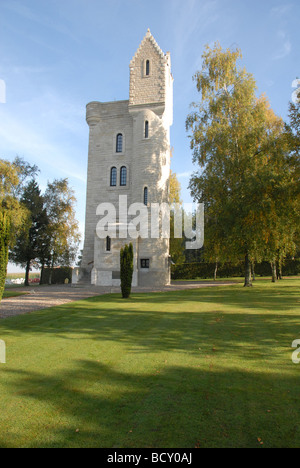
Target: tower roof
(149, 37)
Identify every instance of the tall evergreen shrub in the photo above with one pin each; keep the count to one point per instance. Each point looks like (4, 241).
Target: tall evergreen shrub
(126, 264)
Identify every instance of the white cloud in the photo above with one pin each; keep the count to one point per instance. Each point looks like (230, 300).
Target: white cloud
(184, 175)
(191, 17)
(28, 14)
(20, 138)
(270, 83)
(281, 10)
(20, 70)
(2, 92)
(285, 48)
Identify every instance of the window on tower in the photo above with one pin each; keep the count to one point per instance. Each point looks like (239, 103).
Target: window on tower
(119, 143)
(145, 263)
(113, 177)
(147, 67)
(108, 244)
(146, 129)
(123, 176)
(146, 196)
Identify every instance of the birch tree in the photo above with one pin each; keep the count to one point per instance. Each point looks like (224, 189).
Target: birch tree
(235, 138)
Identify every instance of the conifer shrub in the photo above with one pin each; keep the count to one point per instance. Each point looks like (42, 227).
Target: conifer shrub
(126, 266)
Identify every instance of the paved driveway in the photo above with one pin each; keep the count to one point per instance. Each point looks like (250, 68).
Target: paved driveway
(42, 297)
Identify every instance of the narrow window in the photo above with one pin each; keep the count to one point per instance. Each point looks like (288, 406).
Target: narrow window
(146, 196)
(123, 176)
(145, 263)
(113, 177)
(108, 244)
(119, 143)
(147, 67)
(146, 129)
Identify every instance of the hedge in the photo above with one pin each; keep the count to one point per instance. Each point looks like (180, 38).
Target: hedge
(227, 270)
(59, 275)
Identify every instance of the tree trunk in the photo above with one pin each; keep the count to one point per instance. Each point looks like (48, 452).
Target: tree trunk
(253, 271)
(50, 276)
(51, 270)
(274, 276)
(27, 271)
(279, 271)
(248, 280)
(42, 273)
(216, 271)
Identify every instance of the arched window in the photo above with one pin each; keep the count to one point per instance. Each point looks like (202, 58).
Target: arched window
(123, 176)
(119, 143)
(108, 244)
(113, 177)
(146, 129)
(146, 196)
(147, 67)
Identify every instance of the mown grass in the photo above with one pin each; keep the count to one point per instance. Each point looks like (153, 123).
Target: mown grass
(201, 368)
(8, 294)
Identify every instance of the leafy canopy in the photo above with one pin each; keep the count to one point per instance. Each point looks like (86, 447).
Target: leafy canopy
(238, 144)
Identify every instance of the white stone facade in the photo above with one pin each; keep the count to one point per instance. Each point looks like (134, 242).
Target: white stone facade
(145, 153)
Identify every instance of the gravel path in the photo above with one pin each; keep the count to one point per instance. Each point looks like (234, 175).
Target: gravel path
(42, 297)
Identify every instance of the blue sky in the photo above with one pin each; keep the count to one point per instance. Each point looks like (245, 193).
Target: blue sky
(58, 55)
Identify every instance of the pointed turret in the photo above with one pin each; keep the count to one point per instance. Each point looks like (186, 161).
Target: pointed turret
(150, 74)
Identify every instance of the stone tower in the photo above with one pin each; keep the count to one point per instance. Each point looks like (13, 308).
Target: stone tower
(129, 154)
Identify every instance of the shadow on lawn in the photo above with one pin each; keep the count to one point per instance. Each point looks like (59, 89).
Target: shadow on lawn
(94, 405)
(180, 321)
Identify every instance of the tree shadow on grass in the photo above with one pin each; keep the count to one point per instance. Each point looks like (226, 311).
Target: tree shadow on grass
(94, 405)
(232, 320)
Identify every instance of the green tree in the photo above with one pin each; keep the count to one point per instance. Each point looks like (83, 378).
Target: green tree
(9, 202)
(4, 246)
(126, 268)
(63, 228)
(284, 176)
(176, 245)
(235, 138)
(26, 172)
(30, 241)
(293, 140)
(12, 179)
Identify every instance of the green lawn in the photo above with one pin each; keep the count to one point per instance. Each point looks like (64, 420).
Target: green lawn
(200, 368)
(7, 294)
